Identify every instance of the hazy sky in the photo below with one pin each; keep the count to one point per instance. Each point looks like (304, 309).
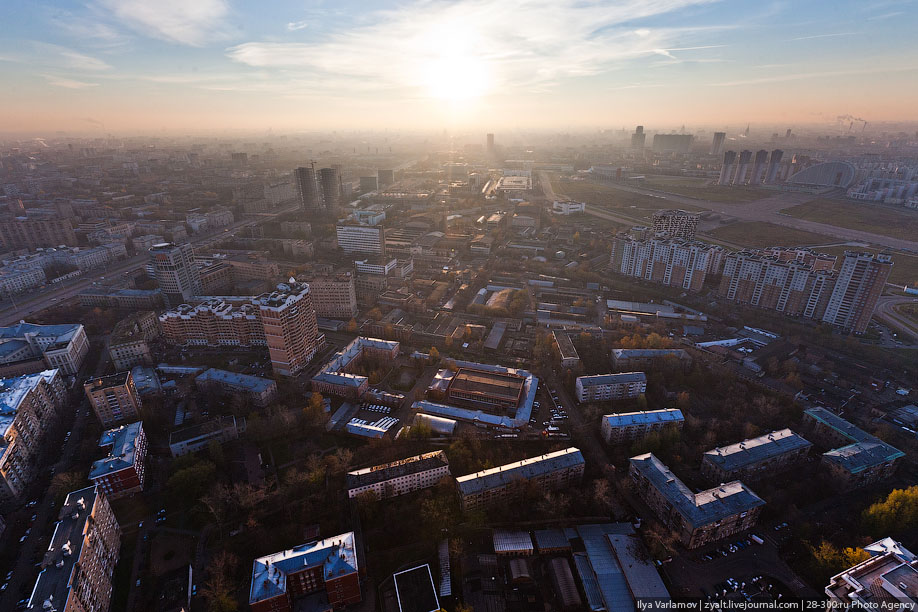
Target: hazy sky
(142, 65)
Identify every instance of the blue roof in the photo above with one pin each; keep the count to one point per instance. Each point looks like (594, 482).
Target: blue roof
(256, 384)
(612, 379)
(864, 451)
(623, 419)
(123, 441)
(336, 555)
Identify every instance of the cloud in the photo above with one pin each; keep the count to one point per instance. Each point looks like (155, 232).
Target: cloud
(293, 26)
(800, 76)
(80, 61)
(187, 22)
(67, 83)
(530, 44)
(88, 29)
(824, 36)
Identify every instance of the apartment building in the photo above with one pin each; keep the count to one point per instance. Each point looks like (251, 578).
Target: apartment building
(257, 390)
(696, 518)
(122, 471)
(176, 272)
(33, 233)
(888, 579)
(399, 477)
(630, 426)
(505, 483)
(14, 280)
(329, 565)
(362, 239)
(675, 223)
(334, 297)
(758, 457)
(607, 387)
(672, 262)
(77, 569)
(860, 459)
(861, 280)
(114, 398)
(129, 342)
(291, 332)
(337, 378)
(29, 348)
(214, 323)
(29, 406)
(808, 257)
(128, 299)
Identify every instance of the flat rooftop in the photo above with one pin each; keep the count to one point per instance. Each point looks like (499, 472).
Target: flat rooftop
(255, 384)
(624, 378)
(499, 384)
(104, 382)
(414, 590)
(644, 417)
(752, 451)
(525, 469)
(396, 469)
(123, 453)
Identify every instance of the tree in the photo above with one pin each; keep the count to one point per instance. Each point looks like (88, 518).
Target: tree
(352, 326)
(434, 354)
(375, 314)
(220, 584)
(828, 560)
(190, 483)
(895, 514)
(64, 483)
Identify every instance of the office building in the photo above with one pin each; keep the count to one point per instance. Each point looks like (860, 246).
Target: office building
(175, 271)
(717, 145)
(26, 348)
(29, 406)
(213, 323)
(675, 224)
(888, 579)
(122, 471)
(758, 167)
(859, 458)
(505, 483)
(196, 437)
(369, 183)
(765, 455)
(34, 233)
(77, 569)
(257, 390)
(332, 191)
(114, 398)
(631, 426)
(337, 378)
(671, 262)
(334, 297)
(696, 518)
(631, 359)
(607, 387)
(362, 239)
(290, 328)
(861, 280)
(672, 143)
(638, 138)
(742, 168)
(386, 177)
(728, 169)
(328, 565)
(399, 477)
(307, 188)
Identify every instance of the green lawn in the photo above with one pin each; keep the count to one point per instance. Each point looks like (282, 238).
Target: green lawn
(638, 206)
(697, 188)
(904, 270)
(761, 234)
(896, 222)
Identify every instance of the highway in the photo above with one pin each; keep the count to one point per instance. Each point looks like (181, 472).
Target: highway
(21, 307)
(886, 313)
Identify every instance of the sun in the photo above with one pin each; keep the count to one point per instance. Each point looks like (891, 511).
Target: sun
(454, 69)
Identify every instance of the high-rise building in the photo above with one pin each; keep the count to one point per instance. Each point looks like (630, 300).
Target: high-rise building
(332, 191)
(76, 572)
(213, 323)
(176, 272)
(490, 139)
(114, 398)
(29, 407)
(717, 145)
(673, 262)
(742, 168)
(369, 183)
(675, 143)
(307, 188)
(385, 176)
(638, 138)
(362, 239)
(290, 327)
(861, 280)
(758, 167)
(675, 223)
(728, 168)
(774, 164)
(334, 297)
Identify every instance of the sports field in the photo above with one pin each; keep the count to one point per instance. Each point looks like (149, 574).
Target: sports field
(896, 222)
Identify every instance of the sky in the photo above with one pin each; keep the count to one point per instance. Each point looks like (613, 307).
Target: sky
(139, 66)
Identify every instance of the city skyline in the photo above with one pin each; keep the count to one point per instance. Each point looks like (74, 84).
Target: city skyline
(107, 66)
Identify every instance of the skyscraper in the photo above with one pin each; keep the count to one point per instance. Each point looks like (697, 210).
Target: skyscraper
(175, 271)
(758, 167)
(774, 162)
(307, 188)
(860, 282)
(717, 146)
(330, 183)
(290, 327)
(638, 138)
(490, 138)
(728, 168)
(742, 168)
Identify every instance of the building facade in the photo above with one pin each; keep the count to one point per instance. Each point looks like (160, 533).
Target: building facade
(213, 323)
(176, 272)
(861, 280)
(122, 471)
(675, 224)
(33, 233)
(334, 297)
(759, 457)
(399, 477)
(607, 387)
(672, 262)
(291, 331)
(362, 239)
(39, 347)
(630, 426)
(114, 398)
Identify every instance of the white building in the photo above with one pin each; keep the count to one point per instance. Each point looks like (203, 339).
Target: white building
(362, 239)
(14, 281)
(567, 207)
(606, 387)
(176, 272)
(628, 426)
(58, 346)
(399, 477)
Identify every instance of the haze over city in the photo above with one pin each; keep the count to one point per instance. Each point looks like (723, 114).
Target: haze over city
(129, 66)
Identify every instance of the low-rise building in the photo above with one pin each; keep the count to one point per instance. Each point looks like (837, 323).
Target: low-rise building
(566, 349)
(889, 578)
(44, 346)
(256, 389)
(861, 458)
(765, 455)
(76, 571)
(630, 426)
(114, 398)
(122, 471)
(337, 378)
(128, 299)
(607, 387)
(696, 518)
(549, 472)
(630, 359)
(329, 565)
(399, 477)
(194, 438)
(129, 342)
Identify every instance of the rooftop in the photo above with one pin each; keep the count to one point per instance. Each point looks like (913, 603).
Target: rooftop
(104, 382)
(698, 509)
(13, 391)
(534, 467)
(337, 556)
(123, 453)
(739, 455)
(501, 384)
(865, 450)
(395, 469)
(621, 353)
(512, 541)
(889, 573)
(254, 384)
(332, 372)
(644, 417)
(623, 378)
(201, 430)
(414, 590)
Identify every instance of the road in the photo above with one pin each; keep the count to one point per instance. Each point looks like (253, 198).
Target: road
(23, 307)
(886, 313)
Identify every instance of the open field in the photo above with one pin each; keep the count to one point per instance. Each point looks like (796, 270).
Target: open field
(891, 221)
(904, 270)
(910, 312)
(697, 188)
(638, 206)
(763, 234)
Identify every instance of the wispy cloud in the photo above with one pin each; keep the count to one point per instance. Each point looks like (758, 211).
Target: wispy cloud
(801, 76)
(293, 26)
(89, 29)
(67, 83)
(187, 22)
(81, 61)
(886, 16)
(549, 41)
(824, 36)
